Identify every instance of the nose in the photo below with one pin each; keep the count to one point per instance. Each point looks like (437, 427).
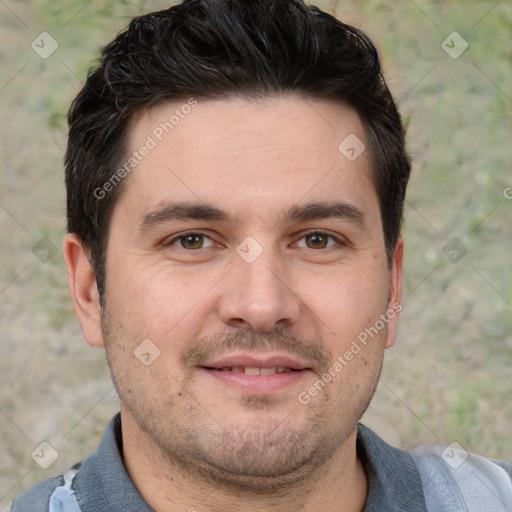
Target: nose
(260, 296)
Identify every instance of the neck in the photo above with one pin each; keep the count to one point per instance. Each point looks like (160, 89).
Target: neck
(168, 485)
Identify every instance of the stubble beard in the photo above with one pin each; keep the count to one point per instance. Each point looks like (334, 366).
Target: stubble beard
(269, 457)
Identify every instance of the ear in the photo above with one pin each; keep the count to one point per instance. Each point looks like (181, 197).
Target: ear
(83, 289)
(395, 291)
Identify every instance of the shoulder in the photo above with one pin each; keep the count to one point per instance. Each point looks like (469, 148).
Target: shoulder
(50, 495)
(37, 498)
(454, 479)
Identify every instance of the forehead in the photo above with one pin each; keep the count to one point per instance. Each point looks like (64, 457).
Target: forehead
(249, 157)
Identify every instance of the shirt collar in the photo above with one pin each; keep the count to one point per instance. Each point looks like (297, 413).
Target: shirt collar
(394, 482)
(102, 484)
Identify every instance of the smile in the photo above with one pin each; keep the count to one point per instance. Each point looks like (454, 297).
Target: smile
(248, 370)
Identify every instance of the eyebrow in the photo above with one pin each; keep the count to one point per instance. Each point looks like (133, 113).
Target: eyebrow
(180, 211)
(317, 211)
(183, 210)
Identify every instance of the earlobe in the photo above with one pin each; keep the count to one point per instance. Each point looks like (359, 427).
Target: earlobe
(395, 291)
(83, 289)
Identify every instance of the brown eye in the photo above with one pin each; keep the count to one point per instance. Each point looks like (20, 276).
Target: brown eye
(191, 241)
(317, 241)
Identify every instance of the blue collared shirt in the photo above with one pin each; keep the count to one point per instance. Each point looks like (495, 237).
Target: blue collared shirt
(399, 481)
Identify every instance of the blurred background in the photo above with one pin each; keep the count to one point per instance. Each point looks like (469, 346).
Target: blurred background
(448, 378)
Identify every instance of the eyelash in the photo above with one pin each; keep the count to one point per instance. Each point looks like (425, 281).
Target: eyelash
(304, 235)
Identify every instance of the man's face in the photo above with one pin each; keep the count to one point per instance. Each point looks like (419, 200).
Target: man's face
(247, 308)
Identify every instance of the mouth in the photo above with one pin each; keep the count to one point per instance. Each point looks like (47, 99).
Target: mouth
(257, 374)
(254, 370)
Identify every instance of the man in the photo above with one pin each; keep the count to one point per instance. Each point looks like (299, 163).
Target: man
(236, 173)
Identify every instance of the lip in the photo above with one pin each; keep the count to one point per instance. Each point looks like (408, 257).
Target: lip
(257, 384)
(258, 361)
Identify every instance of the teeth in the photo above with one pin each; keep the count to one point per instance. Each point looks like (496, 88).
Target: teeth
(256, 371)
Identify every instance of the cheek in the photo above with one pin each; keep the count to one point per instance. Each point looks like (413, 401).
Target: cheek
(159, 303)
(346, 301)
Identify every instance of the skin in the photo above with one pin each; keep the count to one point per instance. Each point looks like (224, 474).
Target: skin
(191, 441)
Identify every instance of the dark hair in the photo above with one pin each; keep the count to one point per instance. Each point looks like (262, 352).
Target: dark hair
(220, 49)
